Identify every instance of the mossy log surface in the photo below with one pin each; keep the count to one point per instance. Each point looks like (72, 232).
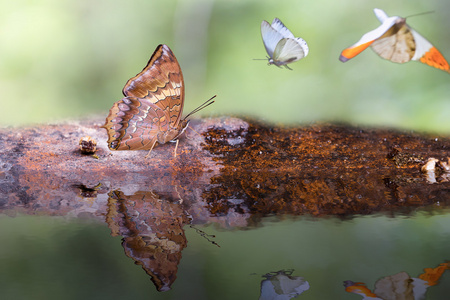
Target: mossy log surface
(228, 164)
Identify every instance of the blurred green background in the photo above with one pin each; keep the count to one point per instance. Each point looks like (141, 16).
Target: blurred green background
(65, 59)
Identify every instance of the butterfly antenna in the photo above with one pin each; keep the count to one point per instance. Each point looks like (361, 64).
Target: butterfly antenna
(208, 237)
(194, 130)
(262, 58)
(202, 106)
(422, 13)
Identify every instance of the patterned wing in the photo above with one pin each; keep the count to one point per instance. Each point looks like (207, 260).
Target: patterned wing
(367, 39)
(152, 108)
(161, 69)
(282, 29)
(428, 54)
(134, 124)
(397, 44)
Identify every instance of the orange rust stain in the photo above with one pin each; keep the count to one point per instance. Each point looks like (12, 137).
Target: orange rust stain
(435, 59)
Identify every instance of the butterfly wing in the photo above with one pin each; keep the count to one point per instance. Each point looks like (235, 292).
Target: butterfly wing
(282, 29)
(137, 119)
(367, 39)
(380, 14)
(397, 44)
(428, 54)
(407, 44)
(134, 123)
(270, 37)
(289, 50)
(162, 68)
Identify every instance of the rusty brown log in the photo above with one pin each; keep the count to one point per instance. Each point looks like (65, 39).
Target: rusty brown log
(229, 163)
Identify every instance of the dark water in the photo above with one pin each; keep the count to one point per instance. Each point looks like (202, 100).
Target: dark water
(45, 257)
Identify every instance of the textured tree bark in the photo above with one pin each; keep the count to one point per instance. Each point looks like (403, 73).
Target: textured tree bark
(228, 171)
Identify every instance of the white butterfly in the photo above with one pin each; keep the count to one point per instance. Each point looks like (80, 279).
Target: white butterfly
(281, 45)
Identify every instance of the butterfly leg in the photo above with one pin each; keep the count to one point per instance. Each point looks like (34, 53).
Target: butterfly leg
(287, 67)
(153, 141)
(179, 196)
(176, 147)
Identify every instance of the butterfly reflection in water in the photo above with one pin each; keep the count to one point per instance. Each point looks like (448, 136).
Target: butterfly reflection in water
(151, 111)
(394, 40)
(281, 45)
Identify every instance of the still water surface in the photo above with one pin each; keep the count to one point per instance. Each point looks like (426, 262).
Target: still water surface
(44, 257)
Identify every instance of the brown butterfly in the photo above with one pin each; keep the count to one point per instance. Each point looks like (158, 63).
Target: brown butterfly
(151, 111)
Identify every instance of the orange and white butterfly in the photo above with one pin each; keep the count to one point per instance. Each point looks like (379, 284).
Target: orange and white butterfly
(394, 40)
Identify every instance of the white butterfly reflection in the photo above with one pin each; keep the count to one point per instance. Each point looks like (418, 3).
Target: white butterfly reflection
(281, 45)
